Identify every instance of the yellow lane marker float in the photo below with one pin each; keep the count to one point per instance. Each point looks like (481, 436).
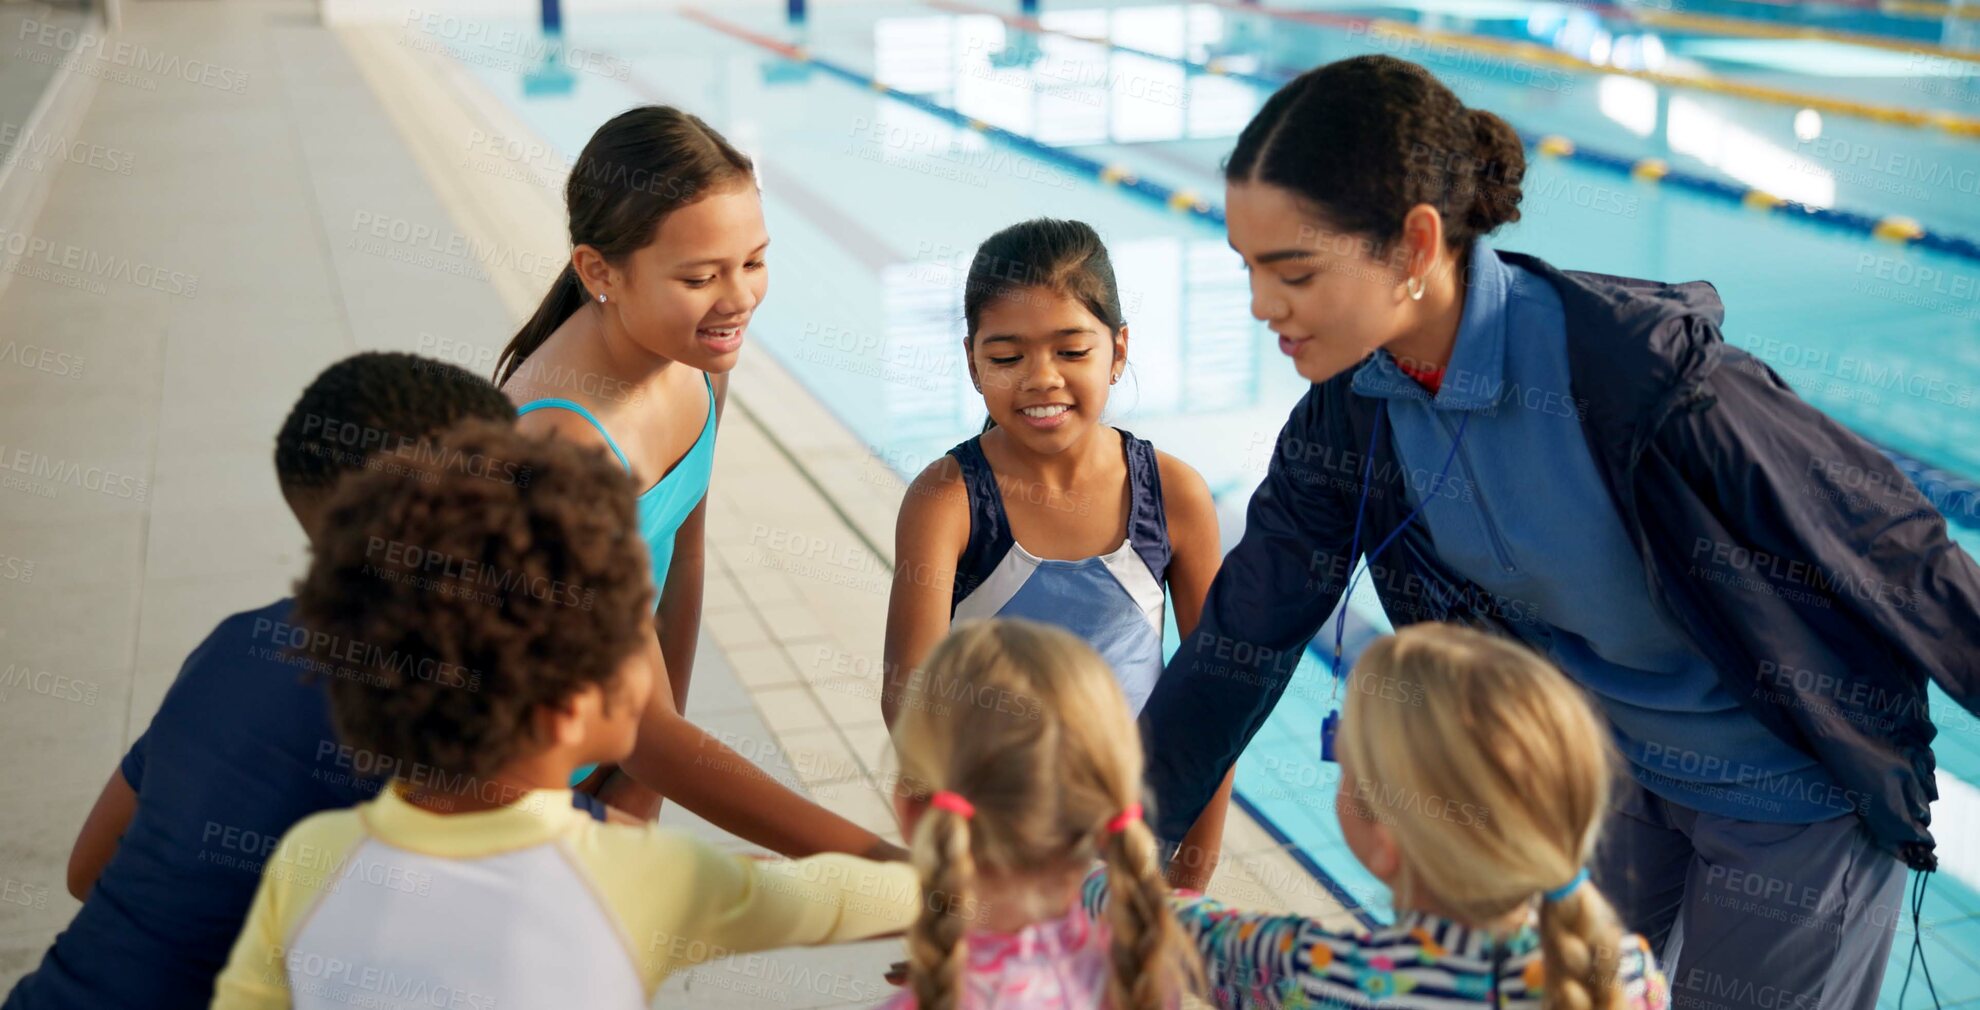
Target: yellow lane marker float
(1556, 146)
(1771, 30)
(1898, 229)
(1759, 199)
(1966, 126)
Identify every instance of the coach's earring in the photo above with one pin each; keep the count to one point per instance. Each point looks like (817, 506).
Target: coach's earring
(601, 297)
(1115, 379)
(1414, 286)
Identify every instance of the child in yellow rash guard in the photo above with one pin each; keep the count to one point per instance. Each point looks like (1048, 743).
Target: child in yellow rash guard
(471, 883)
(533, 904)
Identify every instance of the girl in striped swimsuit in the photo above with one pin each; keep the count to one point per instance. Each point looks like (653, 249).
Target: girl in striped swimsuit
(1473, 782)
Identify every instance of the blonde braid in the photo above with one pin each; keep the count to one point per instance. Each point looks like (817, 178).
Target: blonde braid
(1025, 722)
(1153, 962)
(1580, 943)
(936, 946)
(1526, 767)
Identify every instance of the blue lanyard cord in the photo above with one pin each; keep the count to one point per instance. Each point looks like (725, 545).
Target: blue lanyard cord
(1331, 725)
(1354, 546)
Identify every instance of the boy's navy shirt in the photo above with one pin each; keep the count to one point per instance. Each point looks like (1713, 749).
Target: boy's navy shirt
(241, 749)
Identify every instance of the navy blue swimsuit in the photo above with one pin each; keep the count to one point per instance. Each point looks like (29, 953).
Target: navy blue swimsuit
(1114, 601)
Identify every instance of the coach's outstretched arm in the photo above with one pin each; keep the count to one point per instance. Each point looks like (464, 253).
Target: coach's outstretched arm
(1274, 590)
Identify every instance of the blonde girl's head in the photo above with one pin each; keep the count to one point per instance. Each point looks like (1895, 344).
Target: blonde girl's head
(1025, 723)
(1474, 778)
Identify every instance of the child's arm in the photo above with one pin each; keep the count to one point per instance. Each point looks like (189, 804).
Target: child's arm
(688, 902)
(929, 537)
(1250, 959)
(1643, 983)
(732, 793)
(106, 823)
(1196, 550)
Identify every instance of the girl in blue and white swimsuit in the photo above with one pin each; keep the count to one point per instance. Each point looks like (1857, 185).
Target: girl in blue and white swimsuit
(1051, 513)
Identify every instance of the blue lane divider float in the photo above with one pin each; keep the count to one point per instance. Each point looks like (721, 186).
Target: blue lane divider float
(1892, 228)
(1957, 498)
(1183, 200)
(1119, 176)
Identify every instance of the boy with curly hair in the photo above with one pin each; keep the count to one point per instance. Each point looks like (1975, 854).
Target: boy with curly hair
(471, 877)
(242, 746)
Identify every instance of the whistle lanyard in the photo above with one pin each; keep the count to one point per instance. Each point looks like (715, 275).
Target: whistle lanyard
(1332, 723)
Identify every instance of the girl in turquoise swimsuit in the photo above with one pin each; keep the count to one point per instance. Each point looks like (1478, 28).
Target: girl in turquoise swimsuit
(630, 351)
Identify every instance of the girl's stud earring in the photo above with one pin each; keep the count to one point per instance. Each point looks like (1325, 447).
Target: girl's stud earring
(601, 296)
(1414, 286)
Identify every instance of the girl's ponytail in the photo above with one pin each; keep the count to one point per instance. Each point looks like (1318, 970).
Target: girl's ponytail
(1153, 962)
(1580, 944)
(641, 166)
(565, 297)
(936, 951)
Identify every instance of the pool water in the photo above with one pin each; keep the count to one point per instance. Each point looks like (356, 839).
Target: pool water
(876, 206)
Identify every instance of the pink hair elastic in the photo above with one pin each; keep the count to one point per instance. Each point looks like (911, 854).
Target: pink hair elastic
(1126, 817)
(953, 803)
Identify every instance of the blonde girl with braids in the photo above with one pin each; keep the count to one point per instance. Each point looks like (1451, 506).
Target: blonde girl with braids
(1474, 778)
(1020, 767)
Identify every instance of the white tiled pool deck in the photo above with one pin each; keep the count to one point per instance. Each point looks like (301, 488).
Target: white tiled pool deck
(256, 196)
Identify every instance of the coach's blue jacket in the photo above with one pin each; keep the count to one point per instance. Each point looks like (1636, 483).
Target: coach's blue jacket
(1802, 563)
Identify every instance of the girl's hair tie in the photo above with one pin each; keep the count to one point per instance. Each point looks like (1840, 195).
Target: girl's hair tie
(953, 803)
(1562, 892)
(1127, 816)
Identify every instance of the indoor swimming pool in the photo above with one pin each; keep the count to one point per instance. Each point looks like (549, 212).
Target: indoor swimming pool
(875, 204)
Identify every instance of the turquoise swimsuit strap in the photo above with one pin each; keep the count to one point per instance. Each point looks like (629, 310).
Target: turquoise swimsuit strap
(578, 409)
